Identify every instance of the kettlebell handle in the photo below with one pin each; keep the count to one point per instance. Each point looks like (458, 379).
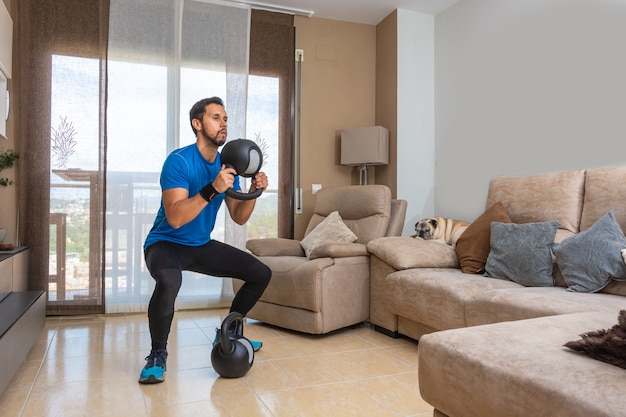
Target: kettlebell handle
(244, 196)
(235, 319)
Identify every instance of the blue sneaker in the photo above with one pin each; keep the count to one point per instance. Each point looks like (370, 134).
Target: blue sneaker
(255, 345)
(155, 367)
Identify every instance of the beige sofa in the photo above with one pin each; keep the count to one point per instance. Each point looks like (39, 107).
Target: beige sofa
(328, 288)
(494, 347)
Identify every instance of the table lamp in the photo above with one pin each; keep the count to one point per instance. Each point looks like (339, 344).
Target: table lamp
(364, 146)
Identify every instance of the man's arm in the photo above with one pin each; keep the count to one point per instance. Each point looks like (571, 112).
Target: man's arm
(180, 209)
(241, 210)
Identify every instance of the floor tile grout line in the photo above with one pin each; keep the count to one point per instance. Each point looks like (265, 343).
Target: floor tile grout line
(136, 365)
(321, 384)
(385, 406)
(41, 363)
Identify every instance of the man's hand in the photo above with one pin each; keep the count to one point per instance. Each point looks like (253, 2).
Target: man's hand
(259, 181)
(224, 179)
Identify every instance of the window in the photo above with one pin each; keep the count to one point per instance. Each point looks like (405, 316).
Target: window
(68, 96)
(74, 145)
(136, 149)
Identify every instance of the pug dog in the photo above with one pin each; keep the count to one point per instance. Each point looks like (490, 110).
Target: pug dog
(441, 229)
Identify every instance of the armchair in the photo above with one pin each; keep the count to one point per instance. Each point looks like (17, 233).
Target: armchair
(329, 289)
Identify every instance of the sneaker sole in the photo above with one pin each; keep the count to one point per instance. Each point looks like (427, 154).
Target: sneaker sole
(151, 380)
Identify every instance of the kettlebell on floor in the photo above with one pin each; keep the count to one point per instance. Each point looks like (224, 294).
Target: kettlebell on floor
(233, 355)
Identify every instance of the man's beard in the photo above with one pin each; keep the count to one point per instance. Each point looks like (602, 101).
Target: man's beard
(214, 140)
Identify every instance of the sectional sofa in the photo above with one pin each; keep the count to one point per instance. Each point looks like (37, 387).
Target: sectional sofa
(539, 267)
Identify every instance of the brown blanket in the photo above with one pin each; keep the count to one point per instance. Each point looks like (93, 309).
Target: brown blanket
(607, 345)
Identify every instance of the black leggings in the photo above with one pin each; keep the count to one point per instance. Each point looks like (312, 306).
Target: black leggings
(167, 260)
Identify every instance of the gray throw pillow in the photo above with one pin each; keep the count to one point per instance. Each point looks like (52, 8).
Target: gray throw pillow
(521, 253)
(590, 259)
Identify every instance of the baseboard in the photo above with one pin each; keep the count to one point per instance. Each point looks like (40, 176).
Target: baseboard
(384, 331)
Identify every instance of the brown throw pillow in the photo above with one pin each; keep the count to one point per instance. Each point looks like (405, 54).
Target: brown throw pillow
(473, 246)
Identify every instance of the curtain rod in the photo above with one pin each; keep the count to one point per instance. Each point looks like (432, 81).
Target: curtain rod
(276, 8)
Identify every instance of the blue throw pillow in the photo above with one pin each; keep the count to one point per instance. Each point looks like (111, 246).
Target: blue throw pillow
(521, 253)
(590, 259)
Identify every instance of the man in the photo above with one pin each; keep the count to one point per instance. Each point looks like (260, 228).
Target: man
(193, 182)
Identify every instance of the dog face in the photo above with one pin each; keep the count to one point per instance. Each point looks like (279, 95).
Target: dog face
(426, 228)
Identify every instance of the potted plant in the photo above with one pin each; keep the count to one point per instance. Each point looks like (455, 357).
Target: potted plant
(7, 159)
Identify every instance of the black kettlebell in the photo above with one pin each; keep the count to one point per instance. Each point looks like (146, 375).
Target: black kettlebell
(245, 157)
(233, 356)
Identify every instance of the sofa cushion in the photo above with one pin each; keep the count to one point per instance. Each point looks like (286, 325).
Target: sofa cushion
(521, 253)
(529, 302)
(591, 258)
(365, 209)
(288, 289)
(605, 189)
(519, 369)
(436, 297)
(402, 252)
(331, 229)
(338, 250)
(615, 287)
(539, 198)
(275, 246)
(473, 246)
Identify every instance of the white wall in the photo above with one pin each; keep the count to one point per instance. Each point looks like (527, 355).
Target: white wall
(525, 87)
(415, 124)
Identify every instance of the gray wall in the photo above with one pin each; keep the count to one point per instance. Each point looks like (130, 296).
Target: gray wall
(525, 87)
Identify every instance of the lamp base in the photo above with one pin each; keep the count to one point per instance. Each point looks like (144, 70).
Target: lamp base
(363, 175)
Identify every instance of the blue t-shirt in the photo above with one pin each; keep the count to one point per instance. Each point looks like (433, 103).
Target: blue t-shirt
(186, 168)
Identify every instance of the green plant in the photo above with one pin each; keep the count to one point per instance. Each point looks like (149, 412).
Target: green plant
(7, 159)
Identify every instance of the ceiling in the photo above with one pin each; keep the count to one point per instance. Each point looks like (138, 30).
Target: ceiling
(358, 11)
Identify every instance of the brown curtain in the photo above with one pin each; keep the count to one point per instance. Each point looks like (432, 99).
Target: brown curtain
(79, 28)
(45, 28)
(272, 53)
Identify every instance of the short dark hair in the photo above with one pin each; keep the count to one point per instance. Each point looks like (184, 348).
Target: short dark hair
(198, 109)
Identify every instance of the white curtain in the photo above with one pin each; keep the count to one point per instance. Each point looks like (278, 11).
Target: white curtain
(163, 56)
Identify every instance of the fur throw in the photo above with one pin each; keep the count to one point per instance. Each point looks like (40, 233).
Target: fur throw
(605, 345)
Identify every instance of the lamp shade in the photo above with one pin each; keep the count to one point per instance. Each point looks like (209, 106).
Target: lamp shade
(365, 146)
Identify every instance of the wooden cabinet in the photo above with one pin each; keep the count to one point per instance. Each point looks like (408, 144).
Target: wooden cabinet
(22, 313)
(6, 277)
(14, 269)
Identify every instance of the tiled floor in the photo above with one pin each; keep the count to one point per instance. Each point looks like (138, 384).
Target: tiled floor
(88, 366)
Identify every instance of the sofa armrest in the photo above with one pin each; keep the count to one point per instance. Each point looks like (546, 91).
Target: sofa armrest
(407, 252)
(275, 246)
(339, 250)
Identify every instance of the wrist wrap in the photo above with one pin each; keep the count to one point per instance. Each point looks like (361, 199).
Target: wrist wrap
(208, 192)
